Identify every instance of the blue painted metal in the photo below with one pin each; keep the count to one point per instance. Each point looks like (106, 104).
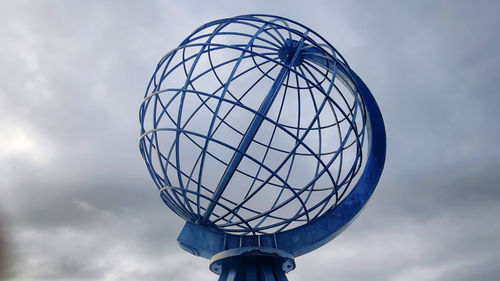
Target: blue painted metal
(252, 264)
(311, 236)
(294, 65)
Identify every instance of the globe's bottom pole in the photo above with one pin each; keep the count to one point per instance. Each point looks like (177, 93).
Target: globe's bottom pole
(252, 264)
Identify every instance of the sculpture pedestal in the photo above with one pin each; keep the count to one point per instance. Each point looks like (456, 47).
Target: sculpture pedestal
(252, 263)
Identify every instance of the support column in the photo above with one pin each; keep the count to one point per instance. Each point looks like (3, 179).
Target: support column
(252, 264)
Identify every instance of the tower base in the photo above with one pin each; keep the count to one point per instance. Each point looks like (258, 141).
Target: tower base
(252, 264)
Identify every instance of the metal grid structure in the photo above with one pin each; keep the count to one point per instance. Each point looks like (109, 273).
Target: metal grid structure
(253, 125)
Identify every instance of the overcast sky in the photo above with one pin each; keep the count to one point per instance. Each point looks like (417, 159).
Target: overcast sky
(77, 202)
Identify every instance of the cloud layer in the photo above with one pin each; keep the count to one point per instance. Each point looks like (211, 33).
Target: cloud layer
(77, 203)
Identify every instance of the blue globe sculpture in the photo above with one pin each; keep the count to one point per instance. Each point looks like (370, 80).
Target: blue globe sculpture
(257, 132)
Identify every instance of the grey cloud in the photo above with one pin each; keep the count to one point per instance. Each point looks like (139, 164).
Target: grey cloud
(78, 204)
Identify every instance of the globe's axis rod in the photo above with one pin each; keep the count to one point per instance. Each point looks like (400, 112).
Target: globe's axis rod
(252, 129)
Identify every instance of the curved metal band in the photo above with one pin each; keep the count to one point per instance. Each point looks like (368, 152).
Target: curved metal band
(298, 241)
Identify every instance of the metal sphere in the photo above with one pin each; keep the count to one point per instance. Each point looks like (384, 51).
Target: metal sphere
(253, 125)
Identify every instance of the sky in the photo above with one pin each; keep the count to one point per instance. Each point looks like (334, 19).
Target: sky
(77, 202)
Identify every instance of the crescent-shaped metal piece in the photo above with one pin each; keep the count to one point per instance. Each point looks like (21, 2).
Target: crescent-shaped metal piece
(205, 242)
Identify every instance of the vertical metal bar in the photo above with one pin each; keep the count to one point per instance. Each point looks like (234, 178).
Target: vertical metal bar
(232, 274)
(279, 274)
(267, 273)
(251, 272)
(223, 275)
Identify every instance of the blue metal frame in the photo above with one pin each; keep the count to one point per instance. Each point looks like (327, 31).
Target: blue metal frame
(297, 53)
(204, 242)
(252, 264)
